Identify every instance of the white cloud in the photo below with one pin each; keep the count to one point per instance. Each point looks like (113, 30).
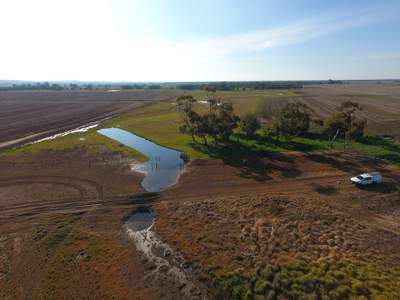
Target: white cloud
(57, 40)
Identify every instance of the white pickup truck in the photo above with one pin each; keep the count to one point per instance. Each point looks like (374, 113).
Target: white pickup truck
(367, 178)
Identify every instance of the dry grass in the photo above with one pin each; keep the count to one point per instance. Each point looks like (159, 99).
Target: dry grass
(266, 240)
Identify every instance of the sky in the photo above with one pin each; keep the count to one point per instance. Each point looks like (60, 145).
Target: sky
(191, 40)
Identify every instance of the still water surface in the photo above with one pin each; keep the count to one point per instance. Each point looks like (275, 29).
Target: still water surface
(164, 165)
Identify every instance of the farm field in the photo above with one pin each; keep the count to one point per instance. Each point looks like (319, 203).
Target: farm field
(27, 116)
(260, 218)
(380, 103)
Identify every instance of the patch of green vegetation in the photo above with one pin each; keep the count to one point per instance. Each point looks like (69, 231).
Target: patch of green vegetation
(63, 233)
(159, 123)
(322, 279)
(90, 140)
(60, 235)
(50, 239)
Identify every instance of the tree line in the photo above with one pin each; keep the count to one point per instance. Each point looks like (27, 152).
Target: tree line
(294, 119)
(233, 86)
(46, 86)
(253, 85)
(222, 86)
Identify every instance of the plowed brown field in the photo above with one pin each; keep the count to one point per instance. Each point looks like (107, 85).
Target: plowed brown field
(26, 116)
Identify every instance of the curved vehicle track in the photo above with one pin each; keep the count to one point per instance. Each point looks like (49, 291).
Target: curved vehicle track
(74, 182)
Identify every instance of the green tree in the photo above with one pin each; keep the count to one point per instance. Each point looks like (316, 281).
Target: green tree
(357, 128)
(344, 123)
(223, 122)
(219, 123)
(191, 122)
(250, 124)
(293, 120)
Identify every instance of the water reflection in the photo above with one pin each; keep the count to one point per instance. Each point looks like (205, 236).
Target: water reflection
(164, 165)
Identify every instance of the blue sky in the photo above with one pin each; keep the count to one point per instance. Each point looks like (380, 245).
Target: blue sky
(177, 40)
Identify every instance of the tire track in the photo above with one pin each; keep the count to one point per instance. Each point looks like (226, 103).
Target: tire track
(74, 182)
(76, 205)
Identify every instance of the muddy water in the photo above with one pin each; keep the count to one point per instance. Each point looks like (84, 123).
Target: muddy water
(140, 219)
(163, 265)
(164, 165)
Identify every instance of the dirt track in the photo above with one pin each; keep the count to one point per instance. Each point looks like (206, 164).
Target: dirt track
(26, 116)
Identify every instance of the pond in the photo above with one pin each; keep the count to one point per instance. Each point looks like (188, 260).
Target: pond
(140, 219)
(164, 165)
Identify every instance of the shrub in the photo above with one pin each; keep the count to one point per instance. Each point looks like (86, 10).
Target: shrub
(323, 279)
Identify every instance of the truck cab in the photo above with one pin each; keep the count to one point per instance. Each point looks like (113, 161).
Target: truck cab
(367, 178)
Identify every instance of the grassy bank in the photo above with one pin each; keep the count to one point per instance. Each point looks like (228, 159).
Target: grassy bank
(91, 141)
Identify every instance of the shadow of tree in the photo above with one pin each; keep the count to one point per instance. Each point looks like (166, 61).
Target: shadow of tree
(250, 160)
(249, 155)
(287, 144)
(390, 157)
(346, 166)
(386, 144)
